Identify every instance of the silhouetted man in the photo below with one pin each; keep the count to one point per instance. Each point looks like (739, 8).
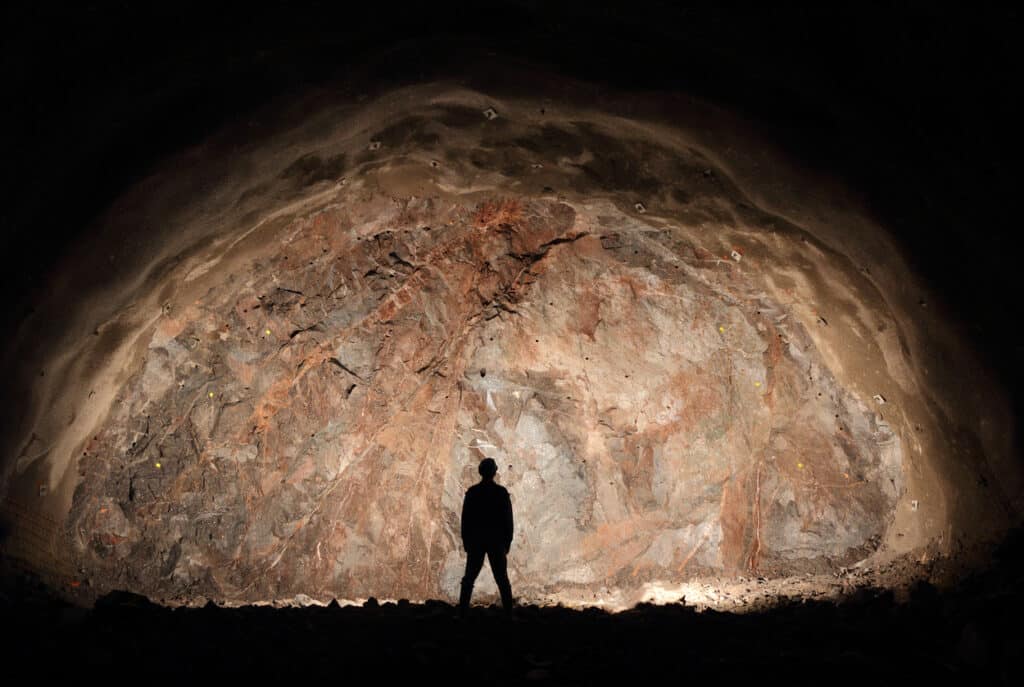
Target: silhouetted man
(486, 529)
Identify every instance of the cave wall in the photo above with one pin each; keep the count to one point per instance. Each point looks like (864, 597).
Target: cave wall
(276, 369)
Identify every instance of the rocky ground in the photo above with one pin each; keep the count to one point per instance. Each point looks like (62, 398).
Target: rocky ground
(969, 632)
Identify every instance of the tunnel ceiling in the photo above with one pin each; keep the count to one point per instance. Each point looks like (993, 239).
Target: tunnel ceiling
(274, 365)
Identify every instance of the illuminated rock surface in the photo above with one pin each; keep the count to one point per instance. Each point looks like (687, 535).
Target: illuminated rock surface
(313, 422)
(293, 391)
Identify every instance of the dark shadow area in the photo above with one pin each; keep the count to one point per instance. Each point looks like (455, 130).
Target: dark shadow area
(970, 632)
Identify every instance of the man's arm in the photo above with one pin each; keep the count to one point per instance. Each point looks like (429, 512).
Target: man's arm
(463, 527)
(508, 522)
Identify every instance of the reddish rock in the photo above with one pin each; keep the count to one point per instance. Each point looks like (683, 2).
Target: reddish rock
(317, 418)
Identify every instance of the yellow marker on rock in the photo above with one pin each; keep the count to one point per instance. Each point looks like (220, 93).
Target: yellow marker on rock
(157, 465)
(800, 465)
(211, 394)
(267, 332)
(721, 329)
(757, 383)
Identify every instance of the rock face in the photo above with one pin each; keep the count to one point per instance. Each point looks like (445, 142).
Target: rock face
(310, 423)
(274, 370)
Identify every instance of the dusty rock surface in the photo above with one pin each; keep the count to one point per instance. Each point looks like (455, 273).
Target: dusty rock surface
(672, 352)
(311, 424)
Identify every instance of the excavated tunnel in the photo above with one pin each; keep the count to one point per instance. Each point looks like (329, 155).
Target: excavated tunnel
(272, 371)
(262, 357)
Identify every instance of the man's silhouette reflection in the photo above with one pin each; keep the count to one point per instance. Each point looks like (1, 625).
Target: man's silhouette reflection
(486, 530)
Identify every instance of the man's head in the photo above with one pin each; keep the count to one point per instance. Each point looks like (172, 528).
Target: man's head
(488, 468)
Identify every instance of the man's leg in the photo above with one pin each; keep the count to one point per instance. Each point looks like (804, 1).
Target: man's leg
(499, 568)
(474, 562)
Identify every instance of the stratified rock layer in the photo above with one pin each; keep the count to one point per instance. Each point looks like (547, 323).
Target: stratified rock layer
(310, 424)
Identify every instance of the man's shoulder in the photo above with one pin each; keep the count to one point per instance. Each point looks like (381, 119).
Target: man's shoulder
(475, 491)
(483, 488)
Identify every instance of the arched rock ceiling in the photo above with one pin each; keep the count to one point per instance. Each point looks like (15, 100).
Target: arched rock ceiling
(276, 369)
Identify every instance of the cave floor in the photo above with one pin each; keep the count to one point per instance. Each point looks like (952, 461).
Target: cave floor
(966, 632)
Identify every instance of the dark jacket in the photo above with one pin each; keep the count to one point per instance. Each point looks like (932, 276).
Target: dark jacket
(486, 517)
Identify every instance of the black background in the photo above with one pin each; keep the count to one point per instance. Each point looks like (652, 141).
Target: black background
(912, 103)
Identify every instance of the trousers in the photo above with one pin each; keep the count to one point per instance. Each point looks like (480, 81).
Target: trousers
(499, 568)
